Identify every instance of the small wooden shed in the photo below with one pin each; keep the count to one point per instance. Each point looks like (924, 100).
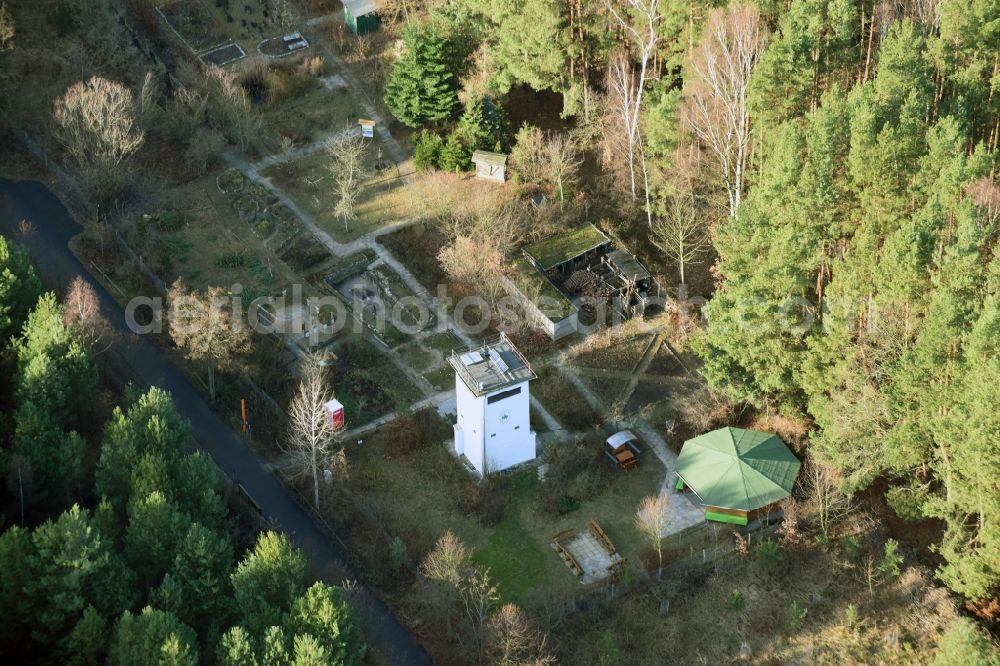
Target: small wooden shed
(360, 16)
(491, 166)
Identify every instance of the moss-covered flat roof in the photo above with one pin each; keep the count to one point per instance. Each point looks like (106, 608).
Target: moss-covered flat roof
(499, 159)
(555, 305)
(559, 249)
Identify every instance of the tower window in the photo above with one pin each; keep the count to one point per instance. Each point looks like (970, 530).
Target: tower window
(503, 394)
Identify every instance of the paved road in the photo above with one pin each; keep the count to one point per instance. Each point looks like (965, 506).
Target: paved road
(48, 244)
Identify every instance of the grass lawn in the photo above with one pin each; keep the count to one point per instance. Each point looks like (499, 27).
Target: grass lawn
(417, 357)
(441, 378)
(519, 560)
(444, 342)
(308, 182)
(422, 493)
(606, 389)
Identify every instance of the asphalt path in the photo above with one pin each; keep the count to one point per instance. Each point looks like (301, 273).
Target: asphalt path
(52, 227)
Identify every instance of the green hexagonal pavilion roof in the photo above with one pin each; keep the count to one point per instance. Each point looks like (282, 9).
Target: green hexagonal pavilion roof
(738, 469)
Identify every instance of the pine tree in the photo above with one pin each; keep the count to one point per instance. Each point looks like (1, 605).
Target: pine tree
(54, 372)
(455, 157)
(72, 567)
(421, 87)
(202, 564)
(152, 637)
(323, 614)
(236, 649)
(20, 289)
(426, 150)
(155, 529)
(267, 581)
(484, 125)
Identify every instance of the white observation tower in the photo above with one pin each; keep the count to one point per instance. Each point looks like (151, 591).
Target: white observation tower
(491, 388)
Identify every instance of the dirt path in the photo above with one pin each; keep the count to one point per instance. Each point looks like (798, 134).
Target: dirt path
(683, 513)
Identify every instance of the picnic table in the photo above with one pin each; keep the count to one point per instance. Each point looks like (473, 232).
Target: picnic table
(622, 450)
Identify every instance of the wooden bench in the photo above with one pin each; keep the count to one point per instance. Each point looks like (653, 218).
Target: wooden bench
(599, 534)
(569, 559)
(564, 535)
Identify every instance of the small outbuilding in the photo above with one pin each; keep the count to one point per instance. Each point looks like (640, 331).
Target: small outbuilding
(491, 166)
(360, 16)
(739, 475)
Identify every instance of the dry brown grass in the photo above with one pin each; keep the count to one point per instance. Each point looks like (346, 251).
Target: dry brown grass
(899, 623)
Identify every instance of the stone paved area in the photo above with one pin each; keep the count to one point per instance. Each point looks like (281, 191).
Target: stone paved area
(591, 556)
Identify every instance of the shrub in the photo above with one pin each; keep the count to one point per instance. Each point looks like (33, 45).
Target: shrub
(230, 181)
(908, 502)
(455, 156)
(577, 471)
(426, 150)
(263, 228)
(851, 548)
(963, 643)
(768, 555)
(851, 616)
(567, 504)
(891, 559)
(397, 553)
(413, 432)
(231, 260)
(608, 649)
(491, 498)
(735, 602)
(170, 220)
(205, 149)
(796, 615)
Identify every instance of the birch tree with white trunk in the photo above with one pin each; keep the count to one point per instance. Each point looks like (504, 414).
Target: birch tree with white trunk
(724, 62)
(643, 31)
(312, 436)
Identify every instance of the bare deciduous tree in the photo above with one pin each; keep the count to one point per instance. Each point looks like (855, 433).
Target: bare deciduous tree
(717, 111)
(349, 171)
(651, 519)
(481, 238)
(231, 107)
(640, 19)
(208, 327)
(96, 123)
(398, 11)
(149, 99)
(563, 160)
(679, 233)
(447, 564)
(829, 502)
(527, 158)
(479, 598)
(311, 435)
(514, 641)
(82, 313)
